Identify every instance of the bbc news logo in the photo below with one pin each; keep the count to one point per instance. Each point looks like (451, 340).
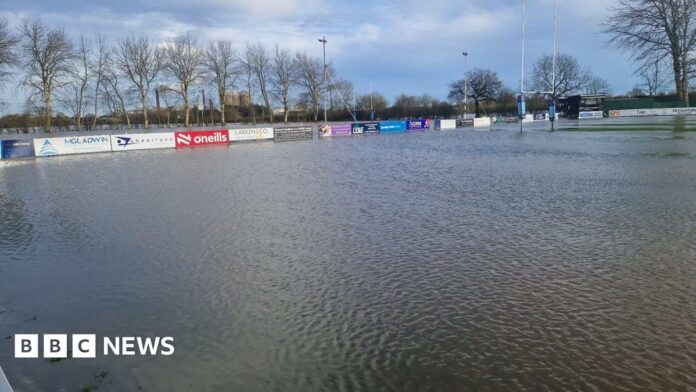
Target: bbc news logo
(85, 346)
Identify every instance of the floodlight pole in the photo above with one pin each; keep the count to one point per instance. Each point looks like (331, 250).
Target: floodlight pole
(522, 63)
(553, 87)
(323, 42)
(466, 87)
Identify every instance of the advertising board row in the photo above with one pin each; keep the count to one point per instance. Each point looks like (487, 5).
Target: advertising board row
(374, 127)
(653, 112)
(69, 145)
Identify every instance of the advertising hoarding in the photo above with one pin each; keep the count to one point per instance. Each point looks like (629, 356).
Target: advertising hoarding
(362, 128)
(142, 141)
(462, 123)
(392, 126)
(418, 125)
(46, 147)
(445, 124)
(246, 134)
(202, 138)
(283, 134)
(335, 130)
(16, 149)
(587, 115)
(482, 122)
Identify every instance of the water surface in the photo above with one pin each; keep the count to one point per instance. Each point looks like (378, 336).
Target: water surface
(443, 261)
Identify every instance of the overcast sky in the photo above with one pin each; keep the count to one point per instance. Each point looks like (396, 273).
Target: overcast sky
(410, 46)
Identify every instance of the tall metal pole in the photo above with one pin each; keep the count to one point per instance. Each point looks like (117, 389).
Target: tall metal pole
(323, 41)
(553, 87)
(522, 65)
(466, 87)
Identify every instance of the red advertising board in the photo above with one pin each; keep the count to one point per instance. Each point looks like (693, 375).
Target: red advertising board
(202, 138)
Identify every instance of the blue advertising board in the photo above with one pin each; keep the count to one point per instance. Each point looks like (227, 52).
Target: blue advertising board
(16, 149)
(418, 125)
(361, 128)
(392, 126)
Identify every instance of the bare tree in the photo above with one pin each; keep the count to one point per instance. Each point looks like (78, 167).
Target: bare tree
(483, 86)
(114, 92)
(246, 63)
(593, 84)
(372, 102)
(282, 79)
(140, 61)
(569, 75)
(651, 78)
(8, 42)
(261, 64)
(98, 63)
(75, 96)
(220, 64)
(47, 55)
(657, 27)
(309, 76)
(184, 62)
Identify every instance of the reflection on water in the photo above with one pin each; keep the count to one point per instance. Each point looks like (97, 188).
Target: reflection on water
(440, 261)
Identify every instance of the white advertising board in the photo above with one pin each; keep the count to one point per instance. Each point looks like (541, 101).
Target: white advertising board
(587, 115)
(482, 122)
(237, 135)
(142, 141)
(682, 111)
(46, 147)
(446, 124)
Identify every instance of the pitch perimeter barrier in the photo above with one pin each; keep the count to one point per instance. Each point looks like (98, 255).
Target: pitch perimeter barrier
(418, 125)
(142, 141)
(46, 147)
(286, 134)
(327, 130)
(251, 134)
(202, 138)
(445, 124)
(10, 149)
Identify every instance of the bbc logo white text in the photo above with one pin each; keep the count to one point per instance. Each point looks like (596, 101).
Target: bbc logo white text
(85, 346)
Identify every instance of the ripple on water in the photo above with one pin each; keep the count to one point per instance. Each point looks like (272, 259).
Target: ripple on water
(433, 261)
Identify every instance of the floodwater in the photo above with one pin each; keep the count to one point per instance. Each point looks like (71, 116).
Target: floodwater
(436, 261)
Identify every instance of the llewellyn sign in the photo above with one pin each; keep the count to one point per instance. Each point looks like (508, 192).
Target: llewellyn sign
(45, 147)
(142, 141)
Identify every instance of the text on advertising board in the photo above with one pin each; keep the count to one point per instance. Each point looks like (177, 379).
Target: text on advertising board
(244, 134)
(293, 133)
(71, 145)
(417, 125)
(142, 141)
(202, 138)
(16, 149)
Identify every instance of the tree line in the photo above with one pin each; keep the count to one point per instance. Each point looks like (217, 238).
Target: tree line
(488, 94)
(87, 81)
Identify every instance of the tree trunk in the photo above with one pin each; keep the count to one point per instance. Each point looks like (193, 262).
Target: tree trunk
(222, 110)
(145, 119)
(285, 106)
(252, 112)
(685, 81)
(676, 66)
(186, 110)
(49, 112)
(96, 100)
